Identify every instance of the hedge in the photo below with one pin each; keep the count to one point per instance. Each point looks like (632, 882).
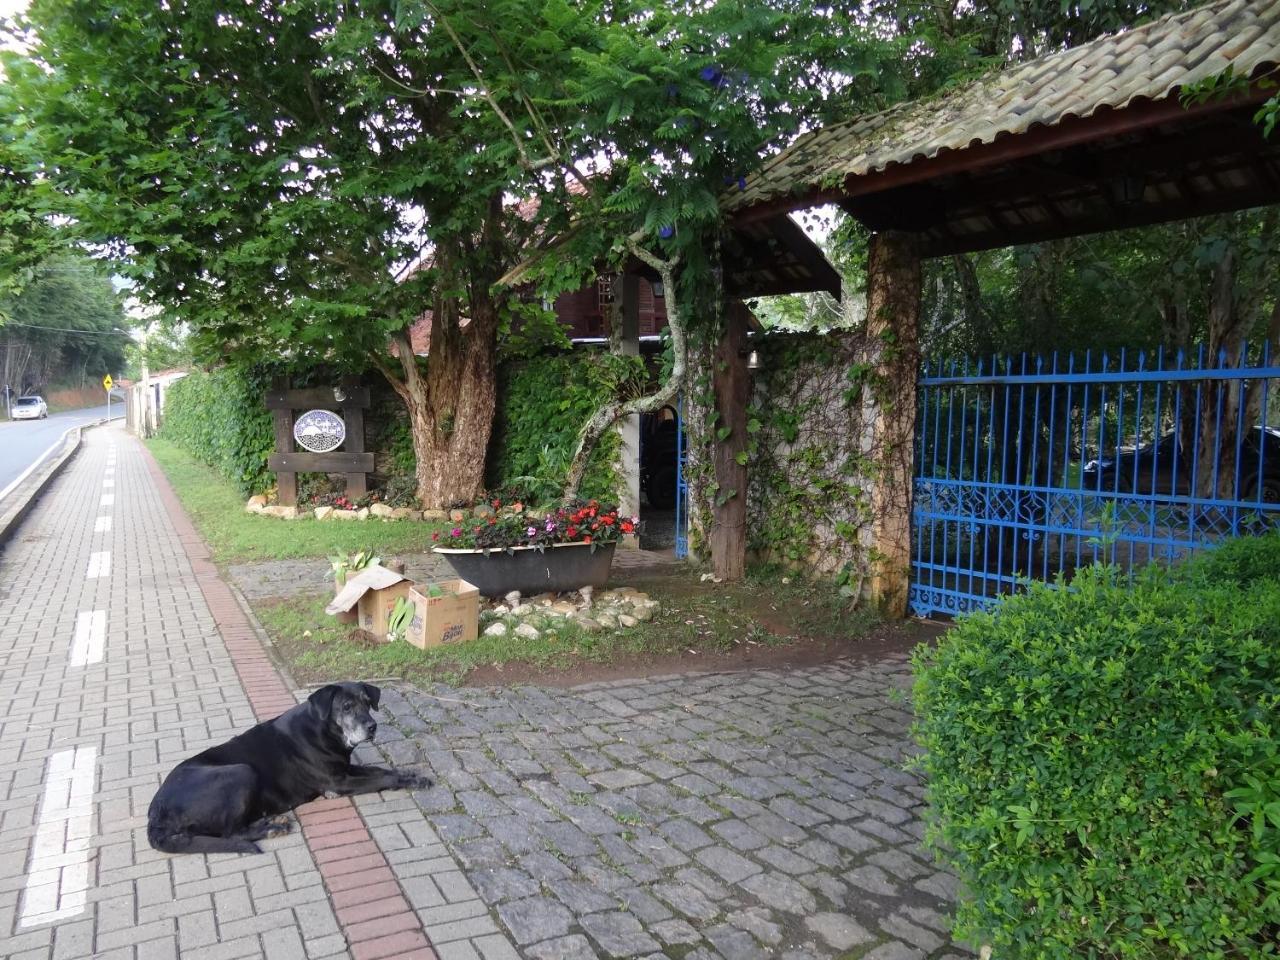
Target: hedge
(218, 417)
(1102, 763)
(542, 405)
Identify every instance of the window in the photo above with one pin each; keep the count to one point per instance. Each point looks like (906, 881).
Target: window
(604, 293)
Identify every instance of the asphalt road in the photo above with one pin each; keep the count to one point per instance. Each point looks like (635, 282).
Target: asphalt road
(23, 442)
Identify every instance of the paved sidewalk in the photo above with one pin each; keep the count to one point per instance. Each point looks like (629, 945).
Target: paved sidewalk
(111, 671)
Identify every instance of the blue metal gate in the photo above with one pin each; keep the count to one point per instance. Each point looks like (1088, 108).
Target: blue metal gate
(1032, 467)
(682, 488)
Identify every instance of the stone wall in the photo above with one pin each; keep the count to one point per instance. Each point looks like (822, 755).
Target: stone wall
(810, 467)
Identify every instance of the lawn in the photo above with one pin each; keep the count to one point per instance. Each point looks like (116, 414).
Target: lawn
(698, 626)
(217, 509)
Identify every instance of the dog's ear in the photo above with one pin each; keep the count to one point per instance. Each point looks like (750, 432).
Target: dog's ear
(322, 700)
(372, 693)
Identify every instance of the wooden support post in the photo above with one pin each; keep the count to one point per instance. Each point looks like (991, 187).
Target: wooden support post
(353, 415)
(628, 288)
(731, 384)
(286, 481)
(889, 409)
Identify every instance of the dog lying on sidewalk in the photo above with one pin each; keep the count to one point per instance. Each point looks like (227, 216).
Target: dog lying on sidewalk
(224, 799)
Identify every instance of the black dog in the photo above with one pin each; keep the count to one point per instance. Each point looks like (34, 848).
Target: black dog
(222, 800)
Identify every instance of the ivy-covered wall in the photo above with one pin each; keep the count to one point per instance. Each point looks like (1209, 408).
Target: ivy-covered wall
(808, 502)
(218, 417)
(543, 403)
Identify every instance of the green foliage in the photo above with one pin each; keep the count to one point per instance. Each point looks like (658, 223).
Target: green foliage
(65, 326)
(543, 404)
(1103, 766)
(1244, 561)
(218, 417)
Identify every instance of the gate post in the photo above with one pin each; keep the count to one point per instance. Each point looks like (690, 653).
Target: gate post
(889, 410)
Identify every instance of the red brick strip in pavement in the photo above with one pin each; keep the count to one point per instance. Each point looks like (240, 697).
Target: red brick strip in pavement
(375, 917)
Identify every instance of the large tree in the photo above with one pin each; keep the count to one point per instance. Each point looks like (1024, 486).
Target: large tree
(297, 181)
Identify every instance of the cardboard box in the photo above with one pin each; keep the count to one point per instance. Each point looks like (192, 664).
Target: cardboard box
(452, 617)
(373, 593)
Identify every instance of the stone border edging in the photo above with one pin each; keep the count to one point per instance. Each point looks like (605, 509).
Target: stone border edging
(11, 517)
(376, 918)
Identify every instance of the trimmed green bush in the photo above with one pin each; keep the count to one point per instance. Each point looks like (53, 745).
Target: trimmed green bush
(1244, 560)
(219, 418)
(1103, 768)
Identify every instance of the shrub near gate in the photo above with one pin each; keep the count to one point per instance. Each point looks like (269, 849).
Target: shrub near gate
(1103, 768)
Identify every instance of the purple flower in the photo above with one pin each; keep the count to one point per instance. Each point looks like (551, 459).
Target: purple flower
(711, 74)
(551, 525)
(531, 532)
(666, 233)
(455, 532)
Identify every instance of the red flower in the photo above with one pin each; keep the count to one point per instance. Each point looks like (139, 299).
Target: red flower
(497, 504)
(572, 531)
(627, 526)
(492, 521)
(595, 526)
(587, 538)
(435, 536)
(607, 520)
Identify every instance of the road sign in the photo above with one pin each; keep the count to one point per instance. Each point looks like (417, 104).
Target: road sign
(107, 382)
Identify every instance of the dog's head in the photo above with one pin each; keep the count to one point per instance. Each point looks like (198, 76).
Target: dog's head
(345, 708)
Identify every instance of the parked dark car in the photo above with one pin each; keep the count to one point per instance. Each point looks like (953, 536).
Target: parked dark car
(1151, 468)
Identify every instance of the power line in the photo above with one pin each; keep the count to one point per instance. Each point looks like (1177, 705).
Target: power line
(83, 333)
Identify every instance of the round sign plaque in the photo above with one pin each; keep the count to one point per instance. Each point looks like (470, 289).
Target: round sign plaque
(319, 431)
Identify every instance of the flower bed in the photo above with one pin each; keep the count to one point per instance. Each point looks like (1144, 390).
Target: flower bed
(498, 527)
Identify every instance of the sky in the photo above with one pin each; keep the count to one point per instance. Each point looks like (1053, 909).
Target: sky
(10, 7)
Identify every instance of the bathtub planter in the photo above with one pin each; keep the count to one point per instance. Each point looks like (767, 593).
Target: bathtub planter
(555, 568)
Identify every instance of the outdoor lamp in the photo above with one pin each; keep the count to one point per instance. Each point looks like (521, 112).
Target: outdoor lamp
(339, 395)
(753, 360)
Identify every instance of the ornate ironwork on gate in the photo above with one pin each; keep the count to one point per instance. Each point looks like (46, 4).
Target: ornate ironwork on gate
(1030, 467)
(682, 487)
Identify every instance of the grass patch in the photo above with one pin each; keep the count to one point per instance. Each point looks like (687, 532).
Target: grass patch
(233, 535)
(693, 617)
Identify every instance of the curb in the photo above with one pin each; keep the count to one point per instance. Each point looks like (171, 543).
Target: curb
(30, 487)
(370, 905)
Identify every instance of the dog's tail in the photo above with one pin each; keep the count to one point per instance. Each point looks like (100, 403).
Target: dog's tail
(168, 840)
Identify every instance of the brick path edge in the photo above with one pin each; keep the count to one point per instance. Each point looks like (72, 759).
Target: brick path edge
(375, 916)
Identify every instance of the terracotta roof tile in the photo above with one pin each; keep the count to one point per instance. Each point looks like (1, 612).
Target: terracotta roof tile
(1150, 62)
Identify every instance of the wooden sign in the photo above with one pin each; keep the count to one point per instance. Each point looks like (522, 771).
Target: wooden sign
(319, 432)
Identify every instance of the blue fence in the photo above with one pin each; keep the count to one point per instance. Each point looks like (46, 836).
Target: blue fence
(1031, 466)
(682, 488)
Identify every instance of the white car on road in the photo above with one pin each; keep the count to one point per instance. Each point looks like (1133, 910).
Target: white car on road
(30, 408)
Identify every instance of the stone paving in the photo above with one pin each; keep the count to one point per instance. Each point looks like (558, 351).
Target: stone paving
(735, 816)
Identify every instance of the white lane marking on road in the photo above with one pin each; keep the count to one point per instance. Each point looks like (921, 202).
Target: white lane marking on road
(58, 881)
(107, 500)
(99, 564)
(91, 634)
(102, 525)
(108, 482)
(35, 463)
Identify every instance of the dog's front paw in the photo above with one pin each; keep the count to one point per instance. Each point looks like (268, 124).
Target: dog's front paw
(414, 781)
(279, 826)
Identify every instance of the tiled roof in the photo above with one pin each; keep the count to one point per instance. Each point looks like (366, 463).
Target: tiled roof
(1147, 63)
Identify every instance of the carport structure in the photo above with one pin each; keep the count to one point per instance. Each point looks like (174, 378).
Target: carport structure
(1098, 137)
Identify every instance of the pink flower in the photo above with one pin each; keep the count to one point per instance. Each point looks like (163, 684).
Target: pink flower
(531, 532)
(551, 524)
(455, 532)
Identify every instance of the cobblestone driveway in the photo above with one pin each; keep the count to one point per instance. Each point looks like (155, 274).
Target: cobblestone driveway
(745, 815)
